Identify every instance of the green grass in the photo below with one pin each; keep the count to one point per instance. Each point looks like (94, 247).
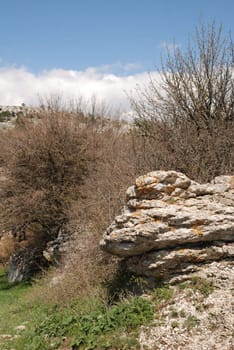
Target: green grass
(96, 329)
(85, 324)
(202, 285)
(162, 294)
(15, 310)
(9, 306)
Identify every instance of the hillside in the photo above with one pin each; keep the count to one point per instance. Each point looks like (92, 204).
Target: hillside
(194, 313)
(87, 262)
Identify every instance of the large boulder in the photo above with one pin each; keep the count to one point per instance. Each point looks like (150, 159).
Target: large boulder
(172, 224)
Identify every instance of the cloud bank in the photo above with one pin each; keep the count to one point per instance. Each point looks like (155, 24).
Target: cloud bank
(19, 85)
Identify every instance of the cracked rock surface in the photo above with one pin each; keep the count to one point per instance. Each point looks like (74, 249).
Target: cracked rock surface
(173, 225)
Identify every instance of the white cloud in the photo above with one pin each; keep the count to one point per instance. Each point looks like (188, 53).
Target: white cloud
(170, 46)
(18, 85)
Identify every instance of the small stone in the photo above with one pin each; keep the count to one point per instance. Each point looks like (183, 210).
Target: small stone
(6, 336)
(21, 328)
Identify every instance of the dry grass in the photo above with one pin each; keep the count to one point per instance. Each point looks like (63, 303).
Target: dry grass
(82, 276)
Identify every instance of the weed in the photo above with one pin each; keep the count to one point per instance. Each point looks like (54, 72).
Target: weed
(182, 285)
(202, 285)
(56, 325)
(190, 322)
(100, 327)
(174, 314)
(175, 324)
(162, 294)
(124, 283)
(125, 316)
(182, 313)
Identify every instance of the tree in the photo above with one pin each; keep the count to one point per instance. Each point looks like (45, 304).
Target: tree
(46, 162)
(194, 97)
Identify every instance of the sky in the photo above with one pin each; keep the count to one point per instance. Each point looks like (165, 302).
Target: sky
(93, 47)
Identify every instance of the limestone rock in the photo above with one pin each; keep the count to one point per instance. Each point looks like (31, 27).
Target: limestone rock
(24, 263)
(162, 263)
(55, 249)
(171, 222)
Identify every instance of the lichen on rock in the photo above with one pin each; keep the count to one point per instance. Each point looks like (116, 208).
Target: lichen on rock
(172, 224)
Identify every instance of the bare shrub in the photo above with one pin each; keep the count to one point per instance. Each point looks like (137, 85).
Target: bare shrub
(7, 247)
(105, 189)
(46, 162)
(201, 157)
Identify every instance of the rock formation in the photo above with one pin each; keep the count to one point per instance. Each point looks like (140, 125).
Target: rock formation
(172, 224)
(56, 249)
(27, 260)
(25, 263)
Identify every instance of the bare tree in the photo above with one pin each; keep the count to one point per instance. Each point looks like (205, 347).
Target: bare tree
(196, 85)
(186, 117)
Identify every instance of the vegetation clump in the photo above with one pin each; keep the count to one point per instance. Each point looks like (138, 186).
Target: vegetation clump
(196, 283)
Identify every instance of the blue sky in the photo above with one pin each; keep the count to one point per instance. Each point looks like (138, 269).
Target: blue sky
(121, 37)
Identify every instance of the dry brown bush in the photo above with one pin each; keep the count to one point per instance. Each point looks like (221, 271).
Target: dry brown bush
(7, 247)
(201, 157)
(102, 196)
(45, 163)
(116, 169)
